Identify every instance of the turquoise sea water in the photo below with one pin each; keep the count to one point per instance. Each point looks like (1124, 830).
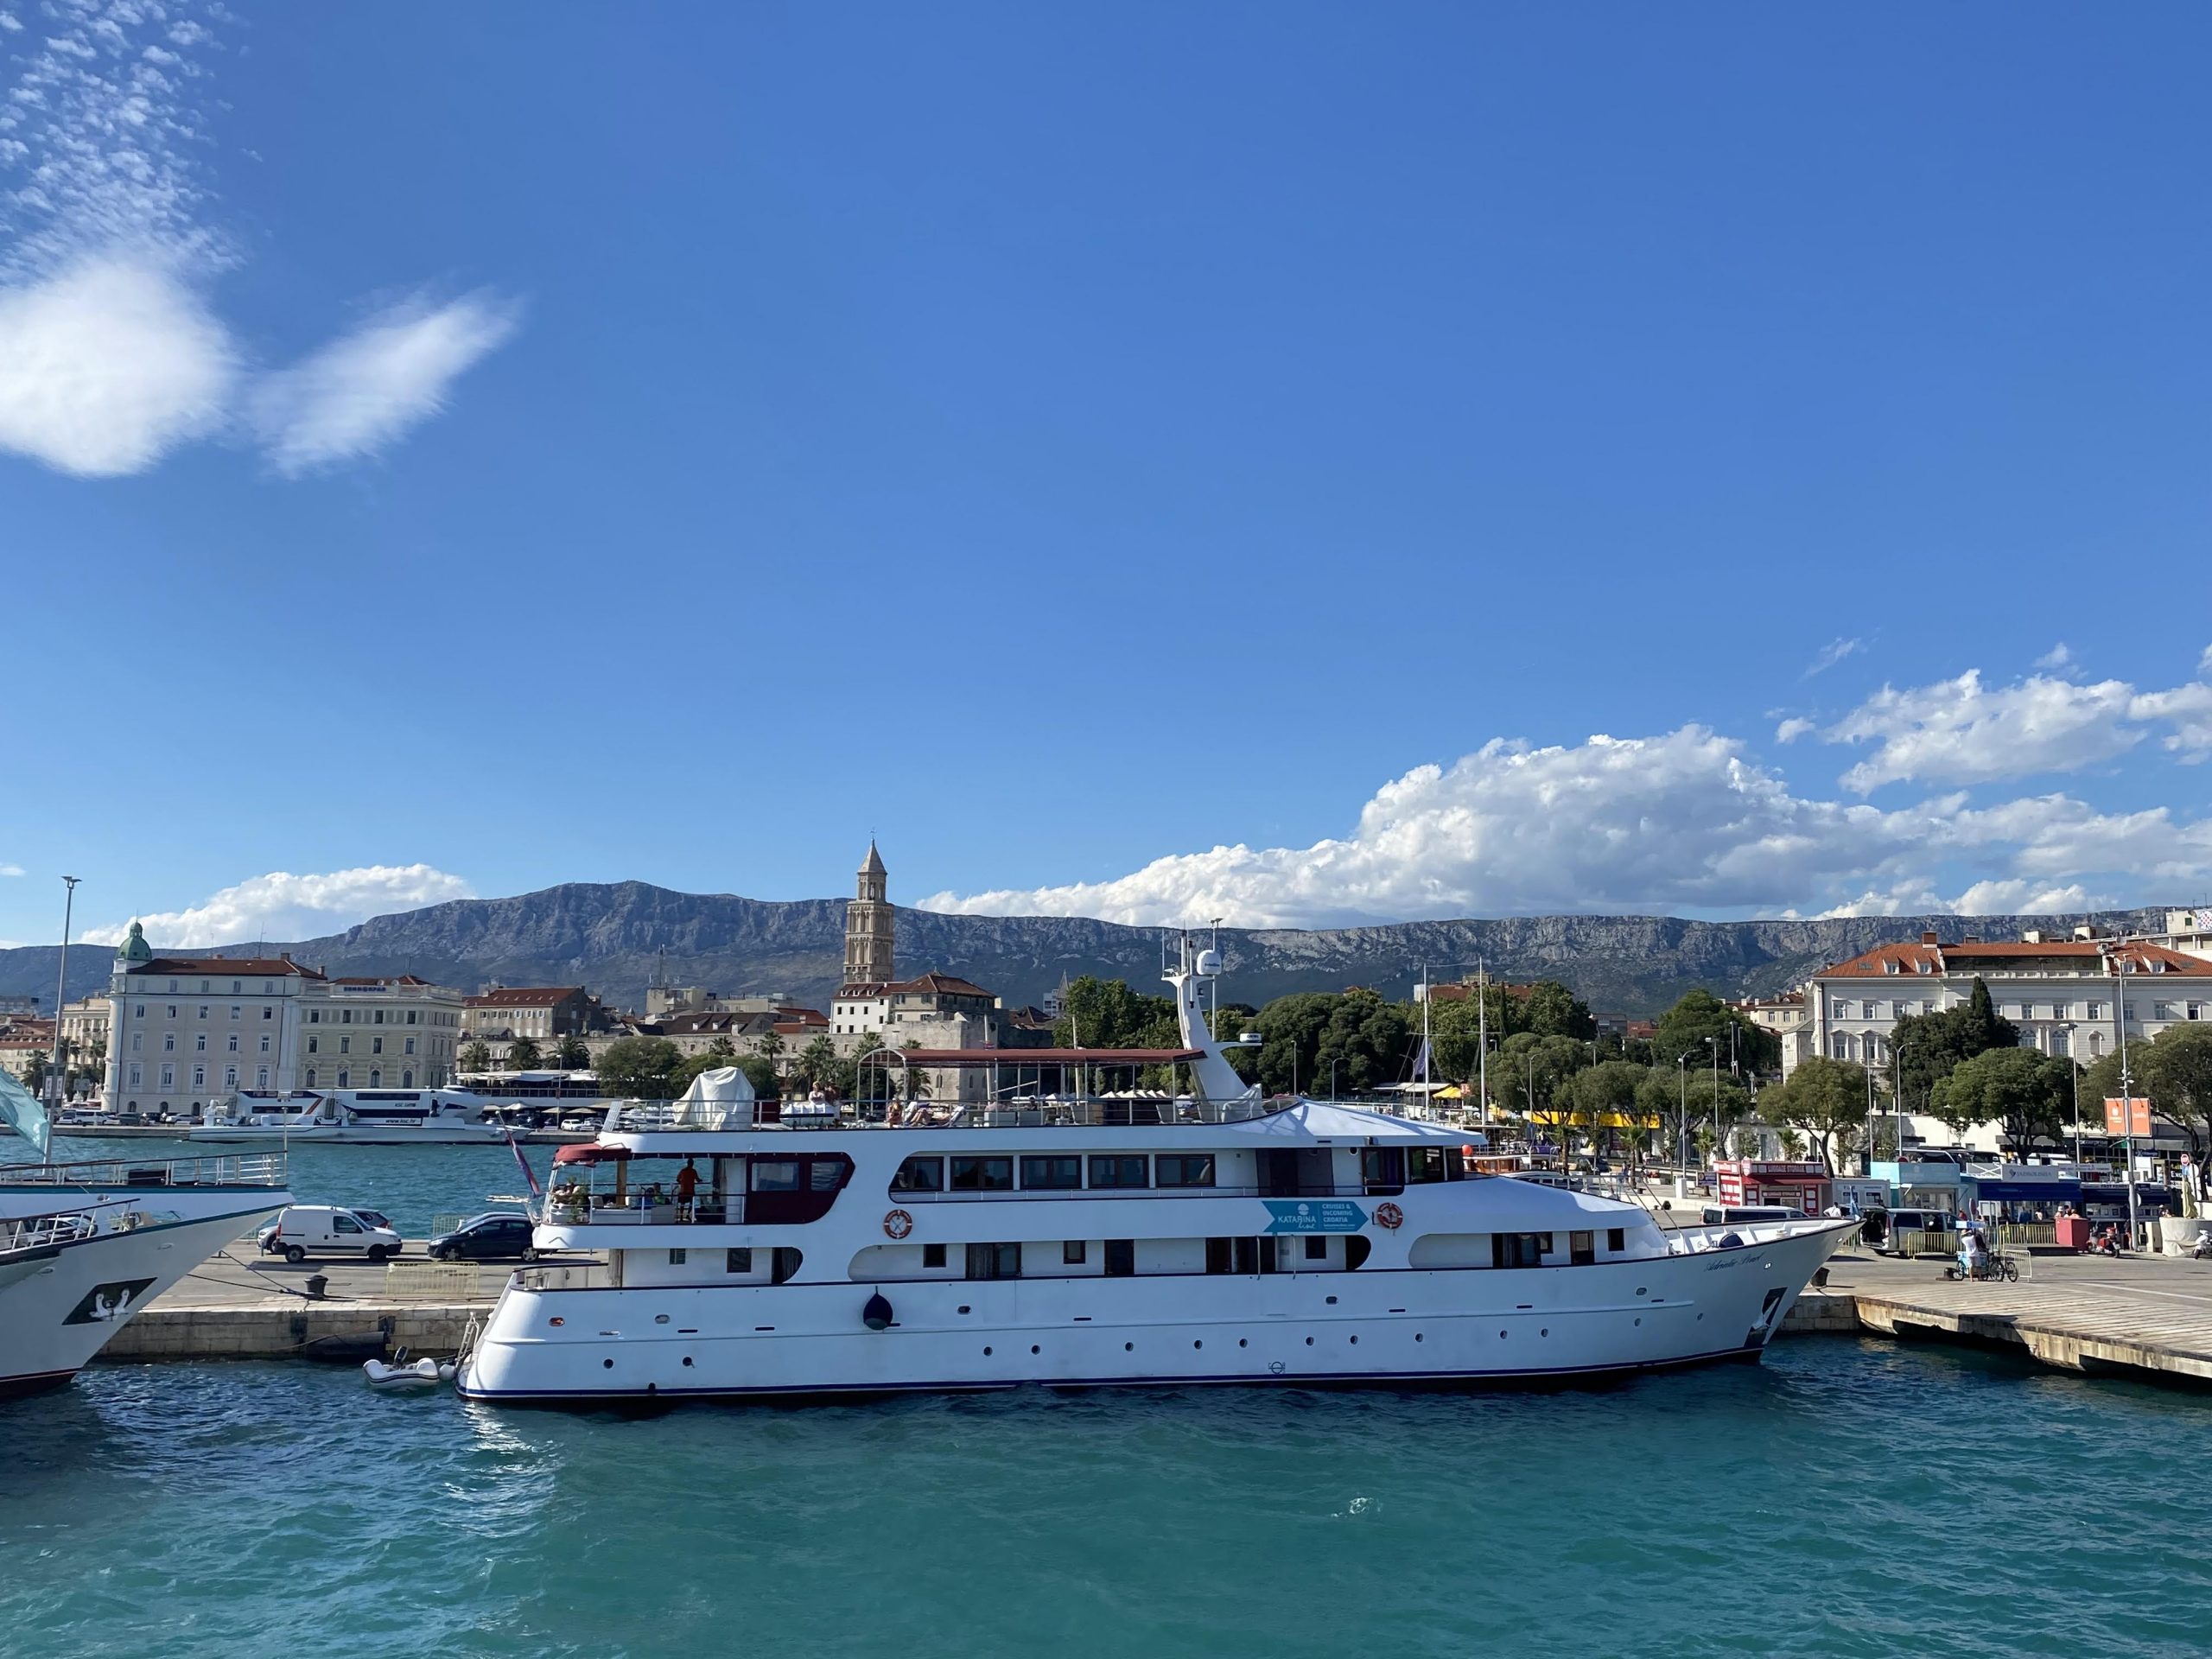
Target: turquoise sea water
(1844, 1498)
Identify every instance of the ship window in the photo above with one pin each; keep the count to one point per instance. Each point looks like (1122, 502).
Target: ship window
(1519, 1250)
(676, 1258)
(1383, 1169)
(1616, 1239)
(1356, 1251)
(1115, 1170)
(1056, 1174)
(1245, 1252)
(983, 1174)
(994, 1260)
(1581, 1248)
(783, 1266)
(1317, 1247)
(919, 1174)
(932, 1255)
(1074, 1253)
(1185, 1168)
(1121, 1258)
(826, 1174)
(775, 1174)
(1424, 1164)
(738, 1260)
(1220, 1255)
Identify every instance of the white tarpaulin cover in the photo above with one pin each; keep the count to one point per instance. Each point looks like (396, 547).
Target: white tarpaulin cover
(713, 1098)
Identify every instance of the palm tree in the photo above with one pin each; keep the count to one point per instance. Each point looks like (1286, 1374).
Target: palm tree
(573, 1054)
(521, 1054)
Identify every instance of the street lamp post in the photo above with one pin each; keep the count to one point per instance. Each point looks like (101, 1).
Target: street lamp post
(1333, 1064)
(1713, 1043)
(2075, 1064)
(2126, 1093)
(61, 986)
(1683, 1113)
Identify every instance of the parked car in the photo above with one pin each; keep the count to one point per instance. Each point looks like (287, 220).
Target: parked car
(306, 1229)
(496, 1235)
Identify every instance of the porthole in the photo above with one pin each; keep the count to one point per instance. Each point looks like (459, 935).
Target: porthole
(607, 1363)
(660, 1318)
(1639, 1321)
(1034, 1348)
(1417, 1336)
(1129, 1347)
(1309, 1342)
(1501, 1335)
(556, 1319)
(1241, 1343)
(987, 1353)
(1546, 1331)
(687, 1360)
(1355, 1341)
(1639, 1290)
(1198, 1345)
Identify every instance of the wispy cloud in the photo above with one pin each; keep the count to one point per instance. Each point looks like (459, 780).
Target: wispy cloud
(2057, 656)
(1791, 729)
(11, 869)
(111, 353)
(1833, 652)
(366, 389)
(280, 905)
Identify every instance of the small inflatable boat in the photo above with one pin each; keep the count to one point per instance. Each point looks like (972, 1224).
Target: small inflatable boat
(405, 1375)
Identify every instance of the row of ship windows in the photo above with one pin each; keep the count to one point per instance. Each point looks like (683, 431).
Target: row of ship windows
(1117, 1171)
(345, 1079)
(1263, 1254)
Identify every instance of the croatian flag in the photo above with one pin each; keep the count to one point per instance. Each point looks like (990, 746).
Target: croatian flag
(515, 1147)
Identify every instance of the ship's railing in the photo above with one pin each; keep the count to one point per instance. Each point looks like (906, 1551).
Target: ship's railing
(636, 1117)
(42, 1232)
(570, 1275)
(1692, 1240)
(230, 1169)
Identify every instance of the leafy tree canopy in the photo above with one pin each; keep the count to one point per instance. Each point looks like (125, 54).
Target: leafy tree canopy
(1928, 1047)
(523, 1052)
(1684, 1029)
(1824, 1098)
(2025, 1093)
(643, 1067)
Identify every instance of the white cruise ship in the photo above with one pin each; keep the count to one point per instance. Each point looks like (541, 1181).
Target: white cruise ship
(1214, 1238)
(357, 1116)
(84, 1246)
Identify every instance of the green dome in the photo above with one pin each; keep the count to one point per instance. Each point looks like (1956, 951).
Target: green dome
(135, 948)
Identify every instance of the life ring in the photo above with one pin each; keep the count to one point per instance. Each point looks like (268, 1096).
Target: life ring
(1388, 1214)
(898, 1223)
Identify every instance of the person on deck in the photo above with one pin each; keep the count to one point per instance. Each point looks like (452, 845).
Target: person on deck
(687, 1190)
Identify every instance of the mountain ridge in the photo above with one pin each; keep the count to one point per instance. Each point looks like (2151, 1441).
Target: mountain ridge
(610, 936)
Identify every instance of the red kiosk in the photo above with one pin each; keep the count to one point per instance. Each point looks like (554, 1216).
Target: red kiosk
(1800, 1186)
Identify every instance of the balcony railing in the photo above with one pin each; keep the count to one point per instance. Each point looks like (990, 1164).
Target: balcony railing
(233, 1169)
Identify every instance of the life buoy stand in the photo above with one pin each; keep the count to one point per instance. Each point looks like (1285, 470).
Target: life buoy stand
(898, 1223)
(1389, 1216)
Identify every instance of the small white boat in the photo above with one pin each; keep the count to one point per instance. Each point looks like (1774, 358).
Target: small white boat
(404, 1376)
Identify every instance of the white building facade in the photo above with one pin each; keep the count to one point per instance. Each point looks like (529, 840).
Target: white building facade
(2068, 996)
(381, 1033)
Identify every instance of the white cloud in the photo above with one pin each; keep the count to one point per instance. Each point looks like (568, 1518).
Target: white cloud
(1682, 822)
(280, 905)
(1962, 731)
(11, 869)
(366, 389)
(1833, 652)
(2057, 656)
(1790, 730)
(108, 364)
(110, 354)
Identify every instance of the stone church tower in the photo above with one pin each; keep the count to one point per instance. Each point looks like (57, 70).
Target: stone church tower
(868, 926)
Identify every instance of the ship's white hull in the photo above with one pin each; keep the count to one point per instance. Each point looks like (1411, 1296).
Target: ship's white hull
(1402, 1327)
(59, 1304)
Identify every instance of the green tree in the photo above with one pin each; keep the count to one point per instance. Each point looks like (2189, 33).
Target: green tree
(642, 1067)
(1552, 1010)
(1698, 1016)
(33, 1072)
(1658, 1097)
(1365, 1043)
(473, 1057)
(573, 1054)
(1826, 1100)
(2177, 1074)
(770, 1049)
(1608, 1089)
(820, 1066)
(1928, 1047)
(2024, 1092)
(1106, 1014)
(1545, 1065)
(523, 1053)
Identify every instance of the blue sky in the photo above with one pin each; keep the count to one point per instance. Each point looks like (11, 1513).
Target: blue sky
(1308, 464)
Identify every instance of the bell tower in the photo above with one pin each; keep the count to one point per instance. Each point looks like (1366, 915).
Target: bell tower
(867, 925)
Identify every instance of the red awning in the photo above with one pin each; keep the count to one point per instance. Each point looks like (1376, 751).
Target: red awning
(590, 1152)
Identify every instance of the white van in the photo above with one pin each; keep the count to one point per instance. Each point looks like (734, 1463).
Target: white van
(306, 1229)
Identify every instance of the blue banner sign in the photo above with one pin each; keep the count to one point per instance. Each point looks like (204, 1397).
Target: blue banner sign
(1314, 1216)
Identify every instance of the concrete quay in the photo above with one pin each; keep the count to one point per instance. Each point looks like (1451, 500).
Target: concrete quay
(234, 1306)
(2148, 1317)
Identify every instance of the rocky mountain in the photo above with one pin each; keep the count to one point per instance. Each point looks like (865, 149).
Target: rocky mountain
(615, 937)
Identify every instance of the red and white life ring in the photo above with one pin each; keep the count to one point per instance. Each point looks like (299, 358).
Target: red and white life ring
(1389, 1216)
(898, 1223)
